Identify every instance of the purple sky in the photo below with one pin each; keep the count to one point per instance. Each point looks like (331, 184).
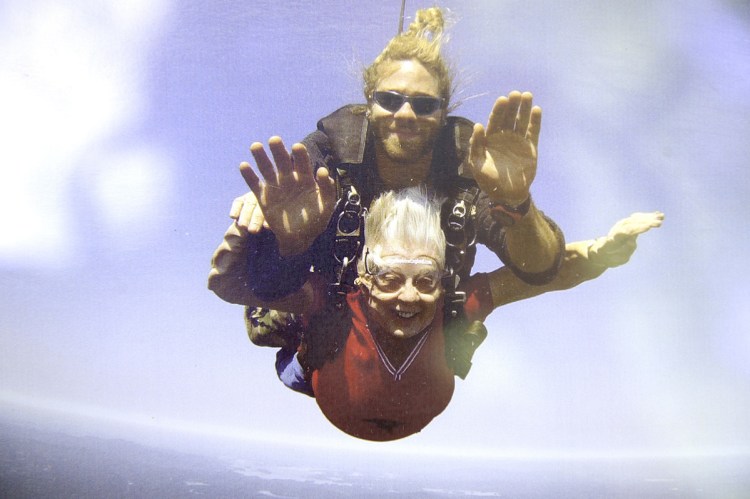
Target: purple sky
(124, 126)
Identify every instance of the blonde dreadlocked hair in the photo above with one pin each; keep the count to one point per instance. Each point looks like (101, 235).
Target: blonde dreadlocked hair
(422, 42)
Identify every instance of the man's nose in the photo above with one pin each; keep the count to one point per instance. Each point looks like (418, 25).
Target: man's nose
(405, 112)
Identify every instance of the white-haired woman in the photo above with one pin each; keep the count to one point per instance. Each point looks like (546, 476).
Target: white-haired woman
(388, 376)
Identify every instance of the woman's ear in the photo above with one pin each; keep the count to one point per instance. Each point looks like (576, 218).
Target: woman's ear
(364, 283)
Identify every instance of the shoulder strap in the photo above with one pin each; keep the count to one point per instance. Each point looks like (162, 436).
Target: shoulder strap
(346, 129)
(458, 220)
(452, 150)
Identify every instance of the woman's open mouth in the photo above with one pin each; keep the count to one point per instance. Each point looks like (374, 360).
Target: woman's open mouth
(405, 315)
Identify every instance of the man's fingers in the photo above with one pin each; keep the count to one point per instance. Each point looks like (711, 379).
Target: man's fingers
(250, 217)
(636, 224)
(497, 115)
(477, 145)
(265, 166)
(511, 113)
(301, 164)
(653, 219)
(281, 157)
(535, 126)
(327, 190)
(249, 205)
(244, 219)
(257, 220)
(234, 211)
(524, 113)
(251, 179)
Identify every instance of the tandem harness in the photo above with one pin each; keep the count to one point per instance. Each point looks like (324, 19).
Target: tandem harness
(458, 219)
(344, 135)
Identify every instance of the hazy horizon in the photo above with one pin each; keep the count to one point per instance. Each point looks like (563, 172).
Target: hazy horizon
(57, 459)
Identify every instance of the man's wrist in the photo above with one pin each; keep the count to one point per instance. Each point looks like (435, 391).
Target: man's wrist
(508, 214)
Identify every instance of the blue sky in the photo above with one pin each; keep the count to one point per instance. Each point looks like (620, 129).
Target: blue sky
(124, 126)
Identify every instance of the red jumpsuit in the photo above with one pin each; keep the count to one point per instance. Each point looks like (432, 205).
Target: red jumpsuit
(363, 394)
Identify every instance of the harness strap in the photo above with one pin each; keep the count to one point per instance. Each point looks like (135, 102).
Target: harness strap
(460, 234)
(349, 238)
(461, 337)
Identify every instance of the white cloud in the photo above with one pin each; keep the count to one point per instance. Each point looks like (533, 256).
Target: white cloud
(129, 191)
(71, 76)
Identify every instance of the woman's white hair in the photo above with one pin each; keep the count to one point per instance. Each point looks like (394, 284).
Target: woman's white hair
(408, 218)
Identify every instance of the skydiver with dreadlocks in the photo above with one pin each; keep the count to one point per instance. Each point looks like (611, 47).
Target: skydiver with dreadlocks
(403, 136)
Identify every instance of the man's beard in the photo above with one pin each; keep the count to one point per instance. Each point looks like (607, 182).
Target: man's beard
(406, 151)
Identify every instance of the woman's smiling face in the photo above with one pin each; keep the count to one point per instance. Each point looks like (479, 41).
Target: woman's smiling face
(404, 289)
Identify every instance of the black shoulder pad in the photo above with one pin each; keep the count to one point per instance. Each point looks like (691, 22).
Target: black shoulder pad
(346, 129)
(462, 130)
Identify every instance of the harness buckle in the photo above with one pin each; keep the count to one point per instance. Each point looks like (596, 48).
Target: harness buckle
(454, 299)
(460, 233)
(348, 229)
(340, 288)
(346, 246)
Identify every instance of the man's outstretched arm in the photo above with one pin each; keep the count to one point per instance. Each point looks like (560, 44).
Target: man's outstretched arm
(583, 261)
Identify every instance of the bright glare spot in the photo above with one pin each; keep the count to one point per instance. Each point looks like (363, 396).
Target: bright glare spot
(131, 190)
(70, 78)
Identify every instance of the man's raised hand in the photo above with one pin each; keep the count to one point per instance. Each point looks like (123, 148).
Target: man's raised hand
(503, 157)
(296, 203)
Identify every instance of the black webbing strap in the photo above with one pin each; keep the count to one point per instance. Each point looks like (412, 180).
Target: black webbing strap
(349, 239)
(461, 337)
(458, 219)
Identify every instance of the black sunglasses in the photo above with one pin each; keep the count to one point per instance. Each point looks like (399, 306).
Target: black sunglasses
(422, 105)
